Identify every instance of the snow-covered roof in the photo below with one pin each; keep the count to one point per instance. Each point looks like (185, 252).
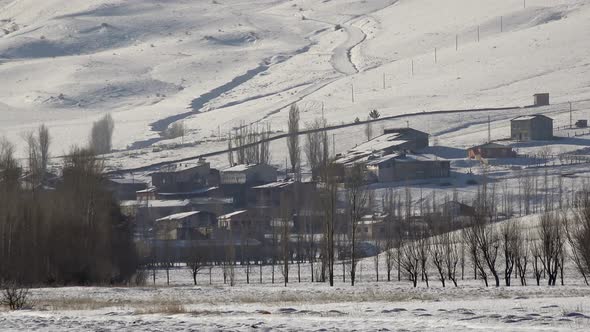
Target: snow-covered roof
(363, 152)
(157, 203)
(194, 192)
(382, 159)
(232, 214)
(530, 117)
(239, 168)
(126, 181)
(278, 184)
(178, 216)
(380, 143)
(148, 190)
(492, 146)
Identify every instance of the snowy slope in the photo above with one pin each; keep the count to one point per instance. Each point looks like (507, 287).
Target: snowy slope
(215, 64)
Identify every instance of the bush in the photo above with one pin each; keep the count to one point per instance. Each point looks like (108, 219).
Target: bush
(14, 296)
(175, 130)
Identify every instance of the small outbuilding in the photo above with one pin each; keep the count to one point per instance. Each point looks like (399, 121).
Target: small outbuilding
(402, 166)
(248, 174)
(541, 99)
(490, 150)
(531, 127)
(582, 124)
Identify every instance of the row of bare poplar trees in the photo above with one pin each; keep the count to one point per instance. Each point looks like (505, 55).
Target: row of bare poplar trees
(71, 233)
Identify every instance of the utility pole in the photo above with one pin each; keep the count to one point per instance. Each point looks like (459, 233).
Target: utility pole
(435, 59)
(333, 144)
(412, 67)
(478, 33)
(407, 123)
(383, 81)
(571, 115)
(323, 110)
(501, 23)
(524, 3)
(352, 92)
(489, 131)
(456, 42)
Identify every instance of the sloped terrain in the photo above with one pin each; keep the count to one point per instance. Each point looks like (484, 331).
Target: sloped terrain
(216, 64)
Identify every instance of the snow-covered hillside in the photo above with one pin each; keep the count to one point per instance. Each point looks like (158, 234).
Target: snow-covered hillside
(214, 64)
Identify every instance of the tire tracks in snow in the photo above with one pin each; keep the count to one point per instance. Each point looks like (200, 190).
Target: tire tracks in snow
(341, 61)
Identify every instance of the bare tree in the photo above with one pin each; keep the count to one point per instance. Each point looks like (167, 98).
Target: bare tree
(230, 150)
(197, 260)
(445, 257)
(369, 129)
(537, 253)
(552, 241)
(510, 234)
(101, 135)
(522, 258)
(14, 296)
(357, 197)
(577, 231)
(409, 260)
(316, 147)
(293, 138)
(44, 142)
(328, 198)
(175, 130)
(264, 154)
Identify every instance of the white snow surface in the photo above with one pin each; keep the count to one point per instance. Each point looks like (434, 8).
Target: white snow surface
(216, 64)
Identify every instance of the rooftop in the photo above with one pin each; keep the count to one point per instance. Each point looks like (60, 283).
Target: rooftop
(278, 184)
(179, 216)
(232, 214)
(157, 203)
(530, 117)
(239, 168)
(492, 146)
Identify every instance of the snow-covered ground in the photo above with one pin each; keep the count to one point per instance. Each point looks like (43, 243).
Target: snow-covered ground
(373, 304)
(216, 64)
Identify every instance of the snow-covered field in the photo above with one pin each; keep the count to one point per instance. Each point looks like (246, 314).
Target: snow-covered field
(368, 306)
(216, 64)
(371, 305)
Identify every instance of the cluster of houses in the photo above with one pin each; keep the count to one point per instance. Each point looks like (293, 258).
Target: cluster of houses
(191, 204)
(247, 205)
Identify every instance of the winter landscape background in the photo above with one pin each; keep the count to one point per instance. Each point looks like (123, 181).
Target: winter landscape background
(216, 65)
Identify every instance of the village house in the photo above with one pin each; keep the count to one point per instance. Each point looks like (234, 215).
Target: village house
(193, 225)
(244, 222)
(124, 188)
(380, 155)
(146, 195)
(185, 177)
(415, 139)
(373, 227)
(402, 166)
(490, 150)
(456, 211)
(541, 99)
(531, 127)
(248, 174)
(236, 181)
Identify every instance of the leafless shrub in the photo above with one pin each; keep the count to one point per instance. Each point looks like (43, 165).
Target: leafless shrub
(577, 231)
(175, 130)
(552, 242)
(511, 239)
(14, 296)
(101, 135)
(316, 147)
(293, 138)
